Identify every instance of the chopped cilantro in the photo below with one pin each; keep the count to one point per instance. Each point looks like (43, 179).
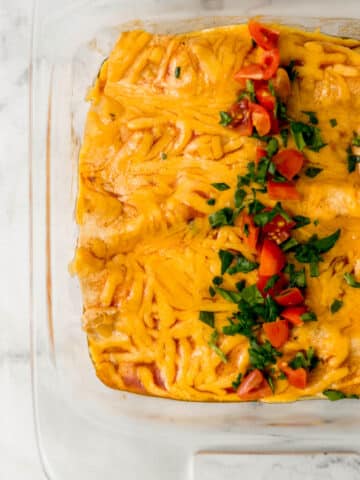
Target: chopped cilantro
(211, 201)
(243, 265)
(246, 230)
(262, 218)
(212, 292)
(255, 207)
(240, 285)
(271, 310)
(208, 318)
(236, 383)
(291, 71)
(225, 119)
(272, 147)
(250, 90)
(352, 160)
(289, 244)
(177, 72)
(226, 259)
(336, 305)
(212, 344)
(163, 156)
(334, 395)
(312, 172)
(262, 355)
(307, 360)
(308, 317)
(229, 295)
(356, 140)
(221, 217)
(271, 282)
(306, 136)
(252, 295)
(217, 280)
(220, 186)
(301, 221)
(312, 117)
(239, 197)
(350, 280)
(333, 122)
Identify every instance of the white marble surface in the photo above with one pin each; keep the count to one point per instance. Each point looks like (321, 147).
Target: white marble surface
(18, 455)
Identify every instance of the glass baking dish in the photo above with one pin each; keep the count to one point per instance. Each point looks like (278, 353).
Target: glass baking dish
(86, 430)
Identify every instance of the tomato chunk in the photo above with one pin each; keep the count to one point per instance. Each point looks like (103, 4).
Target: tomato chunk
(277, 332)
(260, 119)
(241, 117)
(278, 229)
(254, 386)
(282, 191)
(293, 315)
(260, 153)
(265, 98)
(272, 258)
(265, 37)
(289, 162)
(291, 296)
(253, 72)
(297, 378)
(271, 62)
(275, 290)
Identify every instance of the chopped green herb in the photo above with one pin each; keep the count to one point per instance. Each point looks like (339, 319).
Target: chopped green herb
(308, 317)
(280, 110)
(262, 218)
(333, 122)
(316, 222)
(239, 197)
(221, 217)
(177, 72)
(272, 147)
(262, 170)
(271, 383)
(271, 88)
(352, 160)
(243, 265)
(229, 295)
(271, 282)
(282, 376)
(250, 90)
(211, 201)
(262, 355)
(208, 318)
(334, 395)
(225, 119)
(212, 344)
(240, 285)
(252, 295)
(212, 292)
(246, 230)
(236, 383)
(291, 71)
(217, 280)
(271, 311)
(220, 186)
(350, 280)
(163, 156)
(263, 138)
(243, 325)
(255, 207)
(284, 133)
(226, 259)
(356, 140)
(289, 244)
(306, 136)
(312, 172)
(307, 360)
(301, 221)
(312, 117)
(336, 305)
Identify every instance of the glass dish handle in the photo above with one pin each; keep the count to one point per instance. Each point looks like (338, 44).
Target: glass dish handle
(266, 466)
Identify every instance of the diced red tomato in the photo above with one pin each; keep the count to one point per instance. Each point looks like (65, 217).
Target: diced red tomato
(260, 119)
(242, 121)
(277, 332)
(272, 258)
(278, 229)
(254, 386)
(282, 191)
(252, 239)
(270, 62)
(265, 37)
(252, 71)
(260, 153)
(289, 162)
(297, 378)
(275, 290)
(290, 296)
(265, 98)
(293, 315)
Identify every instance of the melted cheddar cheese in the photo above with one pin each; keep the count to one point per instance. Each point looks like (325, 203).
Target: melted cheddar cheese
(146, 254)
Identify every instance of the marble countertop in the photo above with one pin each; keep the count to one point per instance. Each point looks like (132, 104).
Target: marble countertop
(18, 457)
